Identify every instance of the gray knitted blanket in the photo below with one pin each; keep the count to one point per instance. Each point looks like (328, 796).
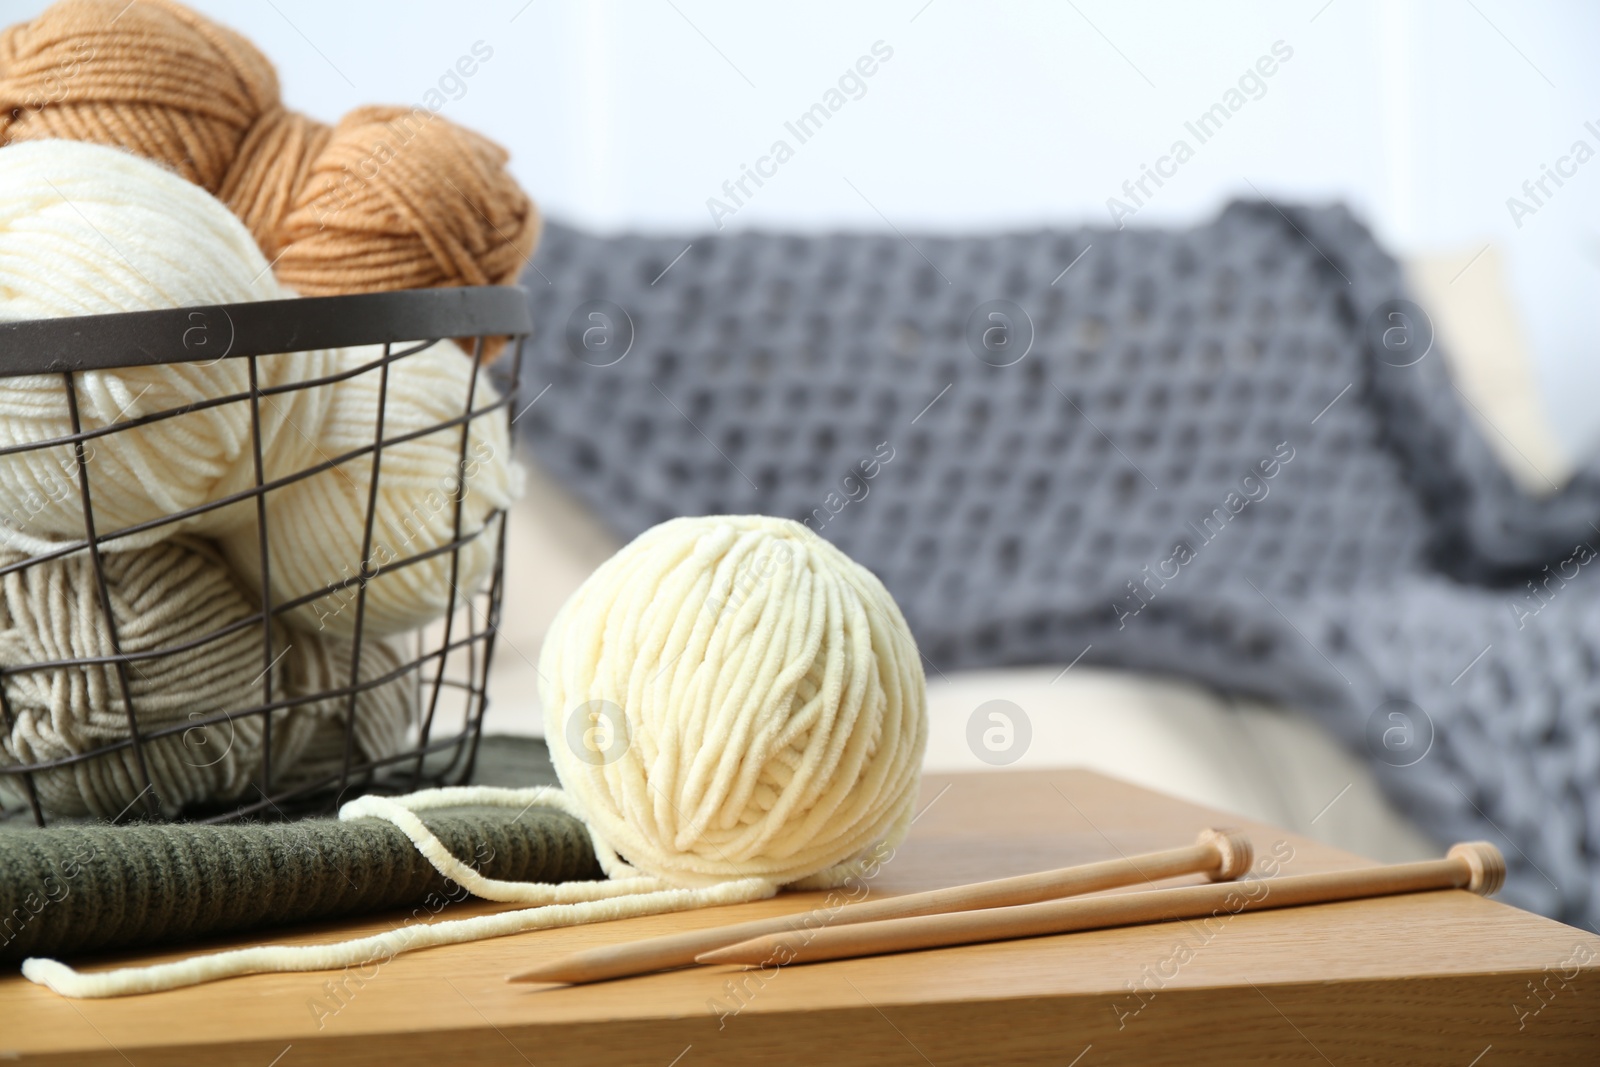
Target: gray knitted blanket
(1231, 453)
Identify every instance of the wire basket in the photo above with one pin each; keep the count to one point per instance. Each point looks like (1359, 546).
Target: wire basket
(444, 666)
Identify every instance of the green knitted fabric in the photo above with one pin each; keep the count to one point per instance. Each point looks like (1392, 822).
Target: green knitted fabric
(88, 888)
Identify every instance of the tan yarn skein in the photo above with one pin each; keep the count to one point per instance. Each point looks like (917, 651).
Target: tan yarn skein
(390, 198)
(164, 599)
(440, 210)
(151, 77)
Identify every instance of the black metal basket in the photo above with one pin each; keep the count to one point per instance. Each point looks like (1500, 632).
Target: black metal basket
(451, 660)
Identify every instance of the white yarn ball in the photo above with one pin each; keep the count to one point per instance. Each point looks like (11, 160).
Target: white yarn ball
(316, 526)
(732, 697)
(85, 230)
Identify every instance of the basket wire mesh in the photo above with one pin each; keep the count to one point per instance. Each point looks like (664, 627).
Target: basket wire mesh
(447, 661)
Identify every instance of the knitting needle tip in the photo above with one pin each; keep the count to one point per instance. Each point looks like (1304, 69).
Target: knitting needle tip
(737, 954)
(547, 972)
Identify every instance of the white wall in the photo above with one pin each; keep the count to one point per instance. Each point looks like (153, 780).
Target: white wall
(1424, 114)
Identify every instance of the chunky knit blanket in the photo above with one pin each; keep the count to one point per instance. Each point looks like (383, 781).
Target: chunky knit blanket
(1232, 453)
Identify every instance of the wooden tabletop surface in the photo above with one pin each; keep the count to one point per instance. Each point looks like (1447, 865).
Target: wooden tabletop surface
(1444, 977)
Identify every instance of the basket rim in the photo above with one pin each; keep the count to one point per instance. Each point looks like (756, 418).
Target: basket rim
(259, 328)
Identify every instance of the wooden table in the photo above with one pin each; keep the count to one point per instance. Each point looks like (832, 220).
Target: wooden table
(1445, 978)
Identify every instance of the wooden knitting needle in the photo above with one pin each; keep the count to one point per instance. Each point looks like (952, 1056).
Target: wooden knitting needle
(1475, 865)
(1220, 854)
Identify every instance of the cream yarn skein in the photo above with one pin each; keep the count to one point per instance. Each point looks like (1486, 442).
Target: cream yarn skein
(315, 526)
(165, 597)
(769, 725)
(766, 704)
(88, 230)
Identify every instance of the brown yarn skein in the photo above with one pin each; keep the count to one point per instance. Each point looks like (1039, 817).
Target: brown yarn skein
(389, 198)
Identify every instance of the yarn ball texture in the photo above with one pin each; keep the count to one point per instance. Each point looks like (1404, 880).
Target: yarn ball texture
(389, 198)
(88, 230)
(733, 697)
(316, 526)
(179, 610)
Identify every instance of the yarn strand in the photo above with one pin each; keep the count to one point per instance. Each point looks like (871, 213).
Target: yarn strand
(561, 904)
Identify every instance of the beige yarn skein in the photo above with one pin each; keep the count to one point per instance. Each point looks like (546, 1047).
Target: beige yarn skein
(164, 598)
